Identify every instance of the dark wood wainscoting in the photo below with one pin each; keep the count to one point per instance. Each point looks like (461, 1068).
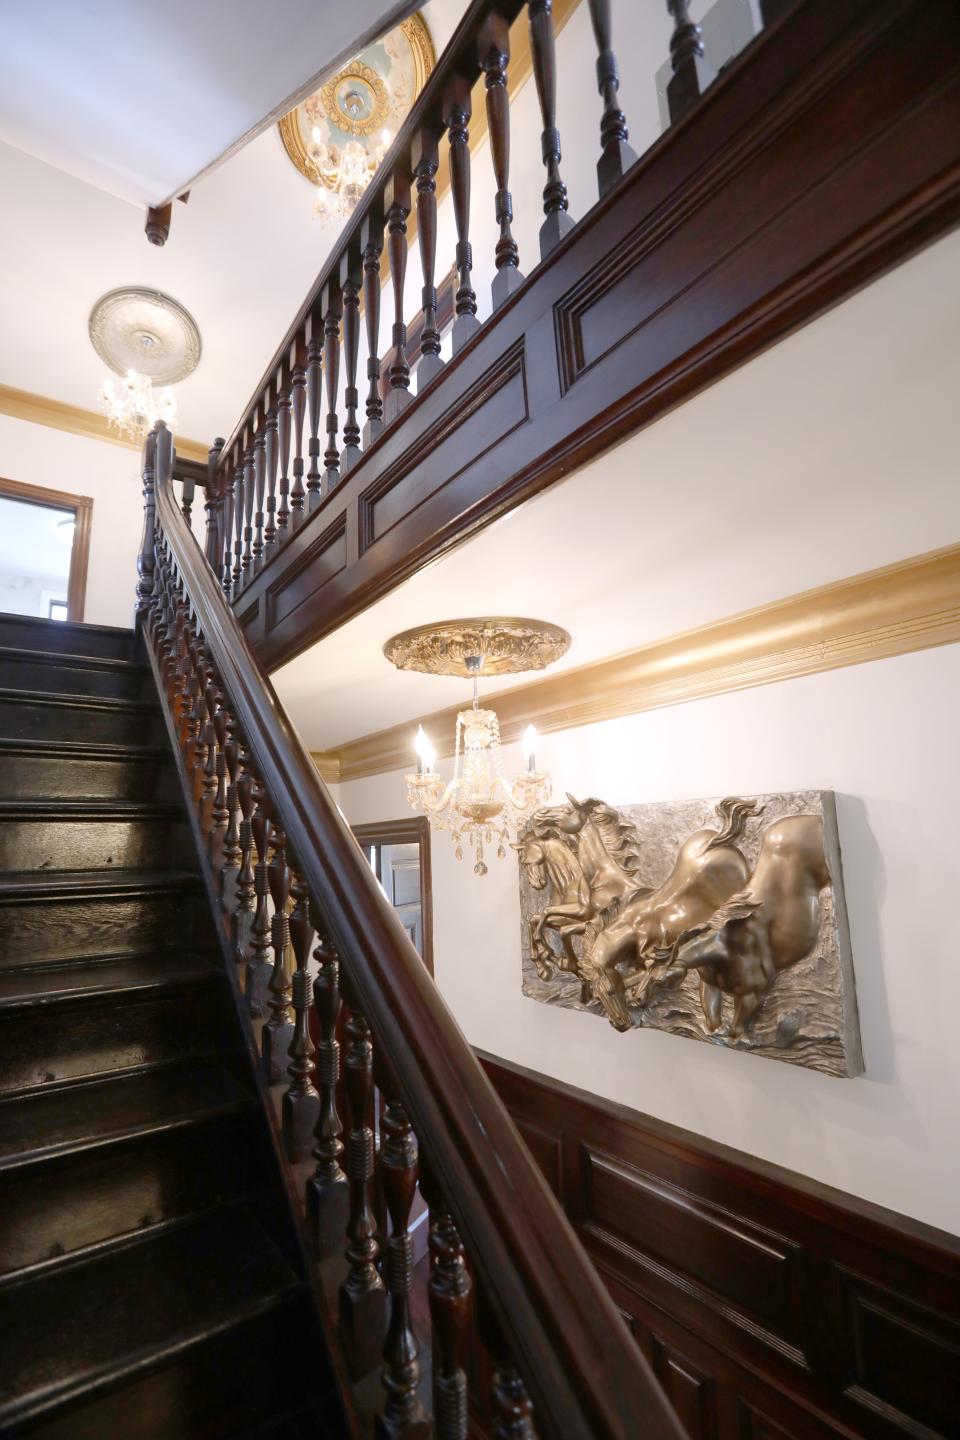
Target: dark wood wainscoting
(769, 1306)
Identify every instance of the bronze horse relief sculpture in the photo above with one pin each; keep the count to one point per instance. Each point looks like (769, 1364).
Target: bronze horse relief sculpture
(750, 913)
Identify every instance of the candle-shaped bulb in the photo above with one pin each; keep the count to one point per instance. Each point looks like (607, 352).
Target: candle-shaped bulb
(530, 746)
(425, 752)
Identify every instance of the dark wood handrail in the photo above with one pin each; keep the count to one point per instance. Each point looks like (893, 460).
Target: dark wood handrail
(459, 57)
(584, 1370)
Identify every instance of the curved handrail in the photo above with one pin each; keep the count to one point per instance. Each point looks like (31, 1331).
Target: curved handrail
(584, 1370)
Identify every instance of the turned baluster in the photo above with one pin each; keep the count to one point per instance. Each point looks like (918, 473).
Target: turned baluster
(238, 509)
(424, 157)
(260, 484)
(146, 557)
(327, 1193)
(301, 1103)
(351, 272)
(194, 747)
(396, 202)
(188, 488)
(456, 112)
(691, 73)
(211, 507)
(277, 1033)
(450, 1311)
(259, 968)
(249, 494)
(231, 840)
(542, 44)
(332, 310)
(371, 244)
(210, 740)
(402, 1415)
(270, 463)
(512, 1410)
(314, 351)
(179, 704)
(298, 408)
(226, 579)
(245, 887)
(283, 447)
(494, 54)
(362, 1296)
(616, 156)
(218, 810)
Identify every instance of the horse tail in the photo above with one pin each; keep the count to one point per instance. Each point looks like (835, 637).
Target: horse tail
(733, 814)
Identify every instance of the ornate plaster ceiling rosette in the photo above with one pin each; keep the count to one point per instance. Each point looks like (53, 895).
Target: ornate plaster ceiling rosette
(506, 645)
(138, 329)
(372, 93)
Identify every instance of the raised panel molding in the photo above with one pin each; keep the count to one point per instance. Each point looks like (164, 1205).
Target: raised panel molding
(770, 1306)
(319, 563)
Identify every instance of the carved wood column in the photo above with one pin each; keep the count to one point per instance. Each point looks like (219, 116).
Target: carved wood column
(396, 201)
(494, 54)
(456, 113)
(298, 407)
(351, 274)
(284, 408)
(691, 73)
(543, 46)
(328, 1200)
(371, 244)
(314, 368)
(363, 1311)
(270, 462)
(301, 1103)
(616, 156)
(146, 557)
(425, 158)
(332, 310)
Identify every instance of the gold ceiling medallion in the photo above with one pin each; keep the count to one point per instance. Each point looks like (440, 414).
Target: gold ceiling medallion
(371, 94)
(479, 803)
(503, 644)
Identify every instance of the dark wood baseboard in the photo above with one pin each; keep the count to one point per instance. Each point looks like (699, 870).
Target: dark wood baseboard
(770, 1306)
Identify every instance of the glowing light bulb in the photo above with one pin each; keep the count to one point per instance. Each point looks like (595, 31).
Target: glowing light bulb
(425, 752)
(530, 738)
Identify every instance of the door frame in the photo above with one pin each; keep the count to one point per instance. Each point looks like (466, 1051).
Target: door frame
(407, 831)
(82, 507)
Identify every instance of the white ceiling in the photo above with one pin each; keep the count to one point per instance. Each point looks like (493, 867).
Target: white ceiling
(241, 256)
(833, 453)
(138, 99)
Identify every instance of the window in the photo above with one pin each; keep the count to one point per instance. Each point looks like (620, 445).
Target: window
(398, 852)
(44, 543)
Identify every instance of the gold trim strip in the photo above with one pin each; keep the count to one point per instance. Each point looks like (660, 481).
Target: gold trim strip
(912, 605)
(41, 410)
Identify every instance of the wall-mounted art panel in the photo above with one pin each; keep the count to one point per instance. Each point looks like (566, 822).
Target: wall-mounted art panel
(721, 920)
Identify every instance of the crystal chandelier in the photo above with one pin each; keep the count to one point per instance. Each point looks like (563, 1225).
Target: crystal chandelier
(133, 407)
(480, 805)
(342, 176)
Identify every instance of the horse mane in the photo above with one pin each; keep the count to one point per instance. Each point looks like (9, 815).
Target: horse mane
(619, 836)
(739, 907)
(733, 814)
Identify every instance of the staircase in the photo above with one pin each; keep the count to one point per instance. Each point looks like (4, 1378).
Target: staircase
(152, 1283)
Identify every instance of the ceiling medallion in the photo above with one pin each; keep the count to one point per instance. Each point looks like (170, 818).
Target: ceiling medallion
(479, 804)
(505, 645)
(337, 137)
(142, 330)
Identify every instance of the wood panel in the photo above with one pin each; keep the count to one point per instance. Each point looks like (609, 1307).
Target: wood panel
(769, 1306)
(829, 150)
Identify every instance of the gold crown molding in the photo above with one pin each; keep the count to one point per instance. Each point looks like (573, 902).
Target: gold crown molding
(504, 645)
(912, 605)
(41, 410)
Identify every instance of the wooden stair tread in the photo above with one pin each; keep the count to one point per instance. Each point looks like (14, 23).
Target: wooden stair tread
(71, 659)
(33, 884)
(125, 1311)
(94, 809)
(84, 749)
(112, 703)
(48, 984)
(104, 1111)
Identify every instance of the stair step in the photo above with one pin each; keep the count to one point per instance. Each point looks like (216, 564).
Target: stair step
(133, 1016)
(122, 1313)
(228, 1387)
(49, 918)
(98, 675)
(74, 770)
(104, 1112)
(50, 835)
(127, 975)
(38, 715)
(65, 637)
(89, 1164)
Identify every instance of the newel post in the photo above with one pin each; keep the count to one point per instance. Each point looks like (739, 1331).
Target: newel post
(213, 506)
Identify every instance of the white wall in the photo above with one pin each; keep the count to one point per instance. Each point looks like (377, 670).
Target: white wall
(110, 475)
(884, 737)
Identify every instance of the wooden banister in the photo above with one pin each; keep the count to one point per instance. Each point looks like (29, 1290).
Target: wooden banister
(577, 1360)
